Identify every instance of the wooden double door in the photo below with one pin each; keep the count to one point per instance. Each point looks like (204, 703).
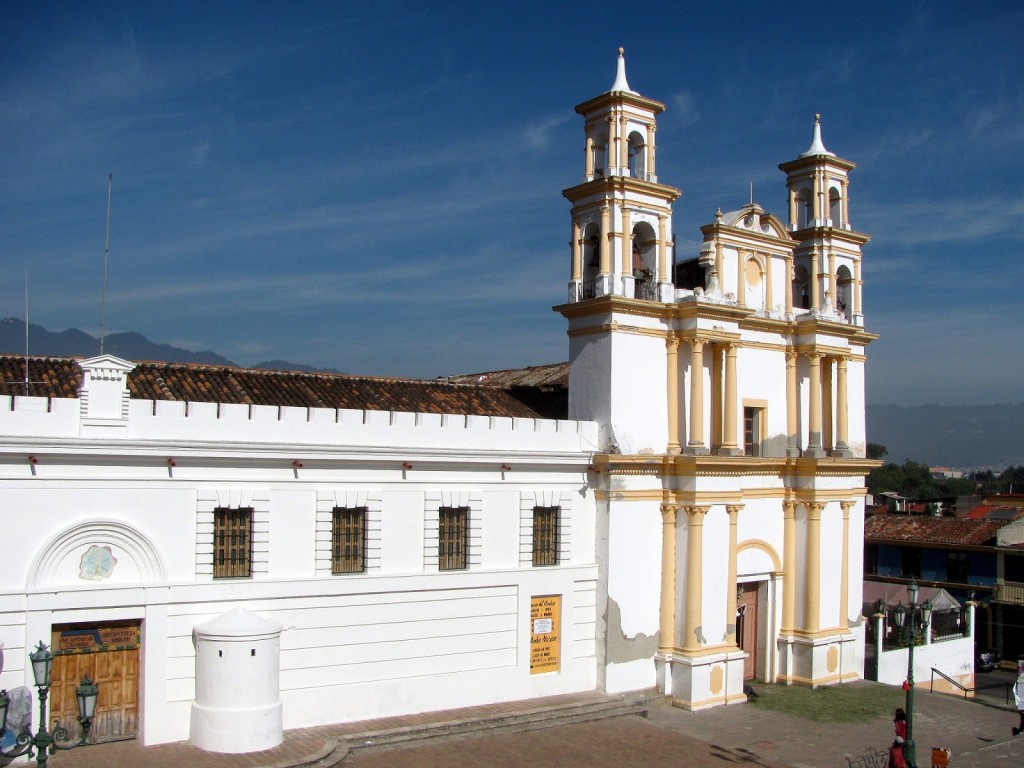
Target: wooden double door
(109, 654)
(746, 626)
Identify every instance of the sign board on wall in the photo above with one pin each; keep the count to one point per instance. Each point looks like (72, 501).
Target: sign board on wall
(102, 636)
(545, 613)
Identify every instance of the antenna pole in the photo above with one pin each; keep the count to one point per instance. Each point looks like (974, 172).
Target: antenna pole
(106, 254)
(26, 332)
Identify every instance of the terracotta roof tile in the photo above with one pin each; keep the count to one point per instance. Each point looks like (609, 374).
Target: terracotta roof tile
(61, 377)
(923, 529)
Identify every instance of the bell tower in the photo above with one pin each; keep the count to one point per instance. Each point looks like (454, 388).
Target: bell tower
(621, 215)
(827, 259)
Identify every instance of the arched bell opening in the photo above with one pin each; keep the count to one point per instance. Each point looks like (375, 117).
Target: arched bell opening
(644, 261)
(753, 283)
(591, 253)
(844, 292)
(835, 207)
(637, 155)
(801, 288)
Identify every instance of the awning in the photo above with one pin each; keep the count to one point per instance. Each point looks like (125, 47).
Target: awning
(897, 593)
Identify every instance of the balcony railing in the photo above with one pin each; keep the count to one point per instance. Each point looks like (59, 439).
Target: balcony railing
(1009, 592)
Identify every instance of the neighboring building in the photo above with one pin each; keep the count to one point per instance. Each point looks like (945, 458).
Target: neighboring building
(978, 557)
(688, 515)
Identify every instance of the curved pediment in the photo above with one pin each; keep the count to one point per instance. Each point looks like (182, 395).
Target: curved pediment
(754, 218)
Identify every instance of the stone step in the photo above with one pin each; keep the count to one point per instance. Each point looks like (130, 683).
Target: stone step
(533, 719)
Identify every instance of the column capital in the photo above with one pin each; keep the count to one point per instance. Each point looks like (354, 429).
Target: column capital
(668, 511)
(672, 341)
(696, 513)
(814, 509)
(846, 507)
(734, 511)
(789, 508)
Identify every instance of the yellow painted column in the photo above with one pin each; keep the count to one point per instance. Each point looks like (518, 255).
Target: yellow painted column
(844, 581)
(792, 406)
(696, 442)
(623, 143)
(664, 257)
(613, 144)
(577, 252)
(846, 204)
(856, 287)
(667, 630)
(769, 301)
(741, 278)
(789, 284)
(819, 194)
(694, 577)
(717, 381)
(815, 278)
(729, 442)
(826, 404)
(792, 207)
(814, 448)
(589, 150)
(719, 257)
(832, 276)
(812, 571)
(626, 260)
(606, 228)
(672, 385)
(842, 409)
(789, 567)
(731, 585)
(651, 129)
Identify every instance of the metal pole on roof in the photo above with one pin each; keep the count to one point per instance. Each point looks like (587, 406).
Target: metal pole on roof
(106, 254)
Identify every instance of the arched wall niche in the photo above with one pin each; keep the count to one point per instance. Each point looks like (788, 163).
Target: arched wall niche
(755, 556)
(99, 553)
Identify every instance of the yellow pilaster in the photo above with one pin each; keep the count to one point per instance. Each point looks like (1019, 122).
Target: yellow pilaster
(651, 169)
(789, 284)
(589, 160)
(814, 417)
(626, 261)
(623, 143)
(846, 204)
(606, 233)
(664, 256)
(694, 576)
(741, 277)
(717, 382)
(696, 442)
(729, 441)
(672, 386)
(832, 276)
(577, 252)
(844, 580)
(815, 281)
(792, 406)
(667, 630)
(789, 567)
(812, 571)
(826, 404)
(731, 585)
(842, 407)
(769, 300)
(792, 206)
(856, 287)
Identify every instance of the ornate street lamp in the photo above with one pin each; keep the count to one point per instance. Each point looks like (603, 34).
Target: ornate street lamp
(911, 620)
(43, 742)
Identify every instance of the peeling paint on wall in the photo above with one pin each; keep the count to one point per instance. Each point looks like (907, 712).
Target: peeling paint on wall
(621, 648)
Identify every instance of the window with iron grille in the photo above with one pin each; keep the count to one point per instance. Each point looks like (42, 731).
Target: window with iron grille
(348, 540)
(232, 543)
(752, 426)
(545, 535)
(452, 538)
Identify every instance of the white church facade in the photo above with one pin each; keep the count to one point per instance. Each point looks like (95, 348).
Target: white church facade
(687, 516)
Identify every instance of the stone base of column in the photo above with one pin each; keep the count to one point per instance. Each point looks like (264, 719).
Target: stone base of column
(793, 453)
(707, 680)
(696, 450)
(824, 659)
(814, 453)
(726, 450)
(842, 453)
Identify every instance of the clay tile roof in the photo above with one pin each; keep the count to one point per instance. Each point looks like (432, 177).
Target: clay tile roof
(920, 529)
(61, 377)
(555, 375)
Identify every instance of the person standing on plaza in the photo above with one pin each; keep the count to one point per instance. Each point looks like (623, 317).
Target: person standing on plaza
(1018, 696)
(899, 720)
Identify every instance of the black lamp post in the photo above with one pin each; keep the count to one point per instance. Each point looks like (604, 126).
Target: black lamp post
(43, 742)
(910, 620)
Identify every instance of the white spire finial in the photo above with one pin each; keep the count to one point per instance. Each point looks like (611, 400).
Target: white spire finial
(817, 148)
(620, 83)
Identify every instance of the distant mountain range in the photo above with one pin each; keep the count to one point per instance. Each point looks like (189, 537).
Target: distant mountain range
(965, 436)
(128, 345)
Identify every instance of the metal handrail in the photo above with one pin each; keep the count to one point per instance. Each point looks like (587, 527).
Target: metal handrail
(966, 690)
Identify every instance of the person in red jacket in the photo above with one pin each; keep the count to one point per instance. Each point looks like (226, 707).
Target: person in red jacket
(896, 757)
(900, 721)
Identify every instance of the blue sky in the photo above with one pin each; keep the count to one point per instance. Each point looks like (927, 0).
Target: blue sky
(376, 187)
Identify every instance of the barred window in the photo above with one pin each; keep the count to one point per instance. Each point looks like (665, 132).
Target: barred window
(348, 540)
(545, 535)
(232, 543)
(452, 537)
